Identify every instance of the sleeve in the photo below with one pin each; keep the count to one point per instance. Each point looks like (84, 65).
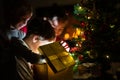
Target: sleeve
(18, 49)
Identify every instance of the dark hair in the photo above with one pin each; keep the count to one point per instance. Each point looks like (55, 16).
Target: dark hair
(51, 11)
(41, 27)
(15, 9)
(58, 11)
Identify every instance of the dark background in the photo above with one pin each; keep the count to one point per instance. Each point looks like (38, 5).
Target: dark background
(40, 3)
(110, 6)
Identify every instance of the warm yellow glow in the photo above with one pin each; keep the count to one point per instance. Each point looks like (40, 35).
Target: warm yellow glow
(80, 8)
(89, 17)
(52, 57)
(77, 44)
(82, 39)
(88, 52)
(73, 35)
(66, 36)
(77, 33)
(82, 33)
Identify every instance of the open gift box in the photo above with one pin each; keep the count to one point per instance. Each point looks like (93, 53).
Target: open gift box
(59, 62)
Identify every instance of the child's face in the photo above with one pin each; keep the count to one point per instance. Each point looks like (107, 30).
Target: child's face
(59, 28)
(23, 21)
(58, 25)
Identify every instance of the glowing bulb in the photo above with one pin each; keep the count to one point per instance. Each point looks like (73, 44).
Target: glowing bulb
(89, 17)
(112, 26)
(107, 56)
(66, 36)
(78, 31)
(80, 7)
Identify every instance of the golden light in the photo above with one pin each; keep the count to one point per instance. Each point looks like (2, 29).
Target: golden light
(82, 39)
(77, 33)
(66, 36)
(82, 33)
(88, 17)
(80, 8)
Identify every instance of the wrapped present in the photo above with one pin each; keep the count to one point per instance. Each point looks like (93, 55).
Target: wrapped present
(57, 57)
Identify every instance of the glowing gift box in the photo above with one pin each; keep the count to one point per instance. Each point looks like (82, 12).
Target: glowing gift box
(57, 57)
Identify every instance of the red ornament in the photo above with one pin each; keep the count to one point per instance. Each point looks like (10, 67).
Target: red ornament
(73, 49)
(80, 57)
(82, 24)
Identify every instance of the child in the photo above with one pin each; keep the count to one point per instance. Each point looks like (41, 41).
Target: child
(39, 33)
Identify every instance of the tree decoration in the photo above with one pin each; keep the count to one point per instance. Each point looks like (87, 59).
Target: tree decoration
(79, 10)
(96, 38)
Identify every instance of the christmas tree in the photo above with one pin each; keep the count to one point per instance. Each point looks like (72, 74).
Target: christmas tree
(95, 42)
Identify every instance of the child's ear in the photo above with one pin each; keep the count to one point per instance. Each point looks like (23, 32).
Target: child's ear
(35, 39)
